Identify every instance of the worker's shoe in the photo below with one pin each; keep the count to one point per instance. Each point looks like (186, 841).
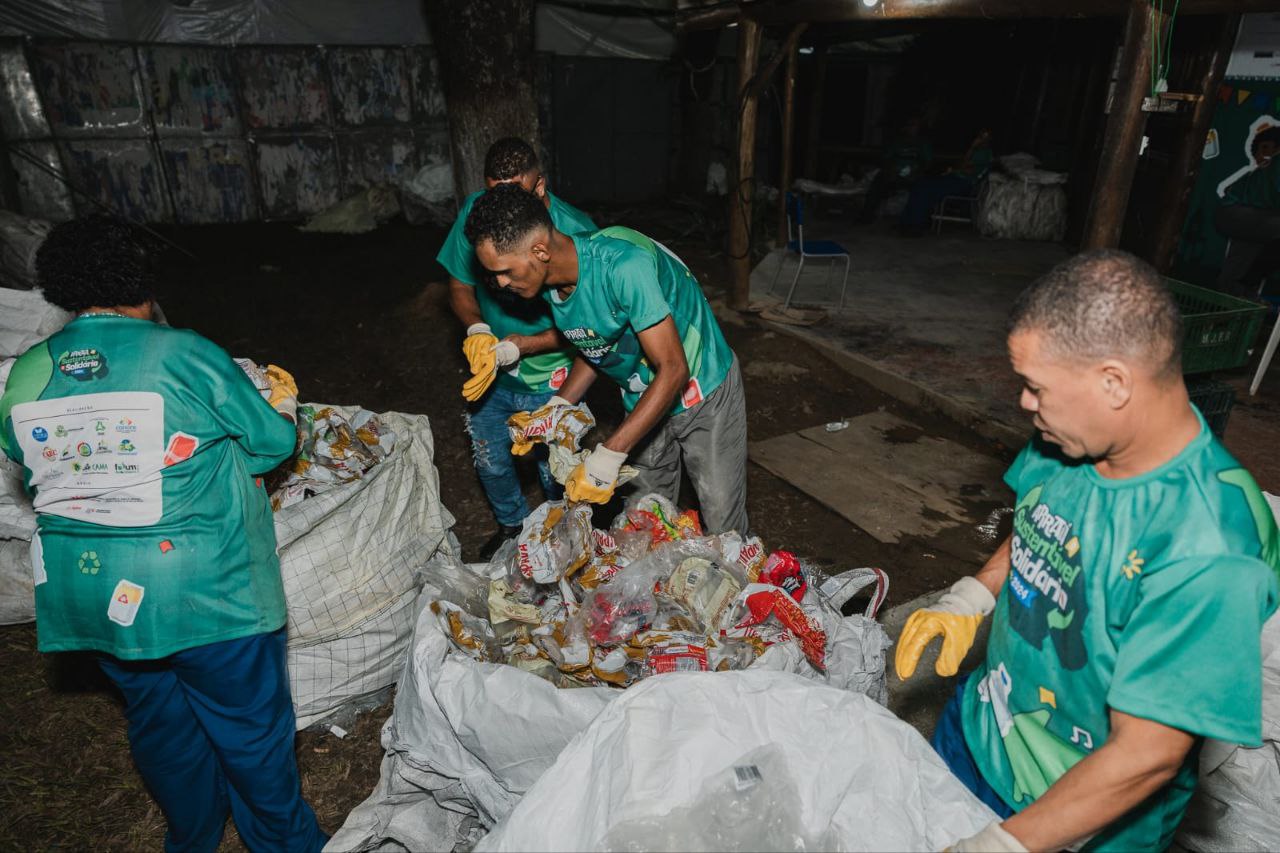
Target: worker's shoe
(495, 541)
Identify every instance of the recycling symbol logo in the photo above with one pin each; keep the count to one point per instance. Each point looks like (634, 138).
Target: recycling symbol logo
(89, 563)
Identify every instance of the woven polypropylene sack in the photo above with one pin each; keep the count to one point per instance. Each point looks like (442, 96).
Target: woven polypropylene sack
(856, 777)
(349, 551)
(1016, 208)
(472, 737)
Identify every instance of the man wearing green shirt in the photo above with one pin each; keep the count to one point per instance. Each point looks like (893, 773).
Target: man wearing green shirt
(1129, 599)
(517, 359)
(143, 448)
(634, 312)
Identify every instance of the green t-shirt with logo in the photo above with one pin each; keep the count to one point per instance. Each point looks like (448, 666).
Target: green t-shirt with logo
(143, 448)
(627, 283)
(506, 313)
(1145, 595)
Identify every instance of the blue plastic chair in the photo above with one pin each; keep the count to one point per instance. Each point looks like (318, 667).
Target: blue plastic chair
(804, 249)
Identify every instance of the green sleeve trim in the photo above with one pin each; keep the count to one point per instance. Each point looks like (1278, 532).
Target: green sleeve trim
(27, 381)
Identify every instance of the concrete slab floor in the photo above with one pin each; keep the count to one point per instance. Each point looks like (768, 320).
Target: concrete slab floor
(924, 322)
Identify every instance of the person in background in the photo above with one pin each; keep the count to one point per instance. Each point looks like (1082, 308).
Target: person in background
(904, 162)
(1127, 604)
(635, 313)
(517, 359)
(144, 448)
(1250, 213)
(960, 181)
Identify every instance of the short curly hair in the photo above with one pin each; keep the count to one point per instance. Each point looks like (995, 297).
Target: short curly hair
(95, 261)
(506, 215)
(509, 157)
(1101, 304)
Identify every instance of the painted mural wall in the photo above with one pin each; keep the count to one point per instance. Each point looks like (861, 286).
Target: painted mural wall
(195, 133)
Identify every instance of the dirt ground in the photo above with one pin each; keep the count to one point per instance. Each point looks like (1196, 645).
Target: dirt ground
(364, 320)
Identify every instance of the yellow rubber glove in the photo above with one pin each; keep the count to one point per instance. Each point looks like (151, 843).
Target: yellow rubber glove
(525, 426)
(955, 618)
(596, 477)
(283, 394)
(479, 347)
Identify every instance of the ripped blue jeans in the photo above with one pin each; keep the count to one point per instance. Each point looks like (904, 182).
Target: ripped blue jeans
(491, 450)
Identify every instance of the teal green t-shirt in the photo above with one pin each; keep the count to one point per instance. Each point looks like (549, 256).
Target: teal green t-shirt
(142, 447)
(1145, 595)
(977, 165)
(508, 314)
(627, 283)
(907, 157)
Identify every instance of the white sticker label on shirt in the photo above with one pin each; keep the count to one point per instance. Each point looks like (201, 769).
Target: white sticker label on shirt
(125, 601)
(38, 574)
(95, 457)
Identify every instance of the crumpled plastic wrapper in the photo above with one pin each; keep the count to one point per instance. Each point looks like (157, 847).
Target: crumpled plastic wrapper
(651, 595)
(562, 429)
(332, 450)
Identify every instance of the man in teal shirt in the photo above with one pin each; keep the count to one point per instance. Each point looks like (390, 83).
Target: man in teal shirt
(1129, 599)
(517, 359)
(634, 312)
(143, 448)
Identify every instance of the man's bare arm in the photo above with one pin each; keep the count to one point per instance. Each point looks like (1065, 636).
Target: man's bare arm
(462, 299)
(993, 573)
(547, 341)
(1138, 758)
(662, 349)
(581, 377)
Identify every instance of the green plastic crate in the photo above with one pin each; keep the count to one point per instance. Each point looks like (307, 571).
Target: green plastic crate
(1218, 329)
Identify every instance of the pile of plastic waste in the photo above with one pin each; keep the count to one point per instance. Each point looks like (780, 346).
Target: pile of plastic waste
(332, 447)
(581, 606)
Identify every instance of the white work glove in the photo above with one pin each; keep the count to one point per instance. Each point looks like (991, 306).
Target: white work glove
(993, 838)
(596, 477)
(955, 618)
(506, 352)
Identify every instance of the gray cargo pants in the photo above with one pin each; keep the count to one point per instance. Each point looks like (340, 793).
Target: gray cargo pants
(711, 440)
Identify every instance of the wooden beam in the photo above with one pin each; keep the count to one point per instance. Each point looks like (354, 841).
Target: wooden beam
(785, 50)
(788, 134)
(1185, 167)
(1125, 126)
(814, 139)
(716, 14)
(689, 20)
(743, 188)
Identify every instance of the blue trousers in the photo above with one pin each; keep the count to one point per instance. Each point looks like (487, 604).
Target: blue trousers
(948, 742)
(491, 450)
(211, 730)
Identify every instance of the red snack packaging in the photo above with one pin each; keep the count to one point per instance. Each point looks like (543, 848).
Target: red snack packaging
(764, 601)
(783, 569)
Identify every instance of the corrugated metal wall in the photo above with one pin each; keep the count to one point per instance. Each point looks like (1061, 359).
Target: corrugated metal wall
(192, 134)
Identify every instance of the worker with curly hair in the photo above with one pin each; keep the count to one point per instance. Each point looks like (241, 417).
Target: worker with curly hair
(143, 448)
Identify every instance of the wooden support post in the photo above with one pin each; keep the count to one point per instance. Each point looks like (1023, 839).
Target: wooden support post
(788, 133)
(743, 188)
(814, 140)
(1125, 126)
(1185, 168)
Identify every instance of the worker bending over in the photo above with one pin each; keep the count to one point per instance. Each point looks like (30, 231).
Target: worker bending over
(511, 343)
(143, 448)
(1130, 596)
(635, 313)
